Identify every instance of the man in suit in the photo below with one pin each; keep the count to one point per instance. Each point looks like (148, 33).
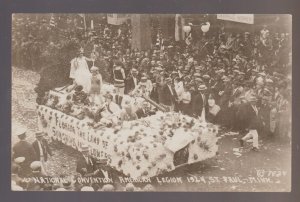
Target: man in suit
(132, 81)
(24, 149)
(102, 169)
(199, 102)
(168, 96)
(41, 149)
(250, 115)
(85, 164)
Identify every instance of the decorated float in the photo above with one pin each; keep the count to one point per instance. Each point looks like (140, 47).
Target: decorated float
(141, 148)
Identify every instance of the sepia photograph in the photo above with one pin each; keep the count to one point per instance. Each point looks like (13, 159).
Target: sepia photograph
(116, 102)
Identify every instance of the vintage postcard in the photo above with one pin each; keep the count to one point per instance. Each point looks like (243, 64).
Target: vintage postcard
(151, 102)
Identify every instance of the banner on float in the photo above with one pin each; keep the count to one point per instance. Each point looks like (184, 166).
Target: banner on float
(117, 19)
(137, 148)
(242, 18)
(71, 132)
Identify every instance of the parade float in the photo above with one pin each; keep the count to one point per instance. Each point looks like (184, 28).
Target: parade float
(141, 148)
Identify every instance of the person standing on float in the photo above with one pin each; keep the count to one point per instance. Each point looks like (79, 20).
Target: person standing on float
(80, 72)
(119, 82)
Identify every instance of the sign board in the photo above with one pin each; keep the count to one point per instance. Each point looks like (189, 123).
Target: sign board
(242, 18)
(178, 141)
(117, 19)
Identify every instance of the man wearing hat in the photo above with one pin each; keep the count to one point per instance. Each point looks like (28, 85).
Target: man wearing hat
(24, 149)
(168, 94)
(249, 116)
(85, 164)
(102, 169)
(16, 170)
(41, 149)
(132, 81)
(36, 172)
(199, 102)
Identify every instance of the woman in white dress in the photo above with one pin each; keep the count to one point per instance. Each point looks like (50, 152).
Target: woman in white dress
(80, 72)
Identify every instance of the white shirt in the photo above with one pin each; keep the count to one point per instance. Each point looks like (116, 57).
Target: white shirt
(88, 160)
(255, 109)
(170, 89)
(179, 89)
(203, 98)
(105, 173)
(186, 97)
(134, 81)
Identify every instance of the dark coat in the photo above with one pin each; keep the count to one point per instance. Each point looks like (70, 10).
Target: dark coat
(247, 117)
(129, 85)
(140, 113)
(45, 147)
(154, 95)
(81, 163)
(264, 113)
(24, 149)
(197, 104)
(105, 168)
(166, 96)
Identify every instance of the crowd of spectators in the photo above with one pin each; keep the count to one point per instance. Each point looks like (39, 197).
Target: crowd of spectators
(227, 67)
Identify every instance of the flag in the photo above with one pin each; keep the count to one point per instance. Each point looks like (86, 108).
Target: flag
(92, 25)
(179, 22)
(53, 23)
(159, 41)
(84, 22)
(81, 15)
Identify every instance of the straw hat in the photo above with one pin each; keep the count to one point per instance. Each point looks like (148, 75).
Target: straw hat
(202, 87)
